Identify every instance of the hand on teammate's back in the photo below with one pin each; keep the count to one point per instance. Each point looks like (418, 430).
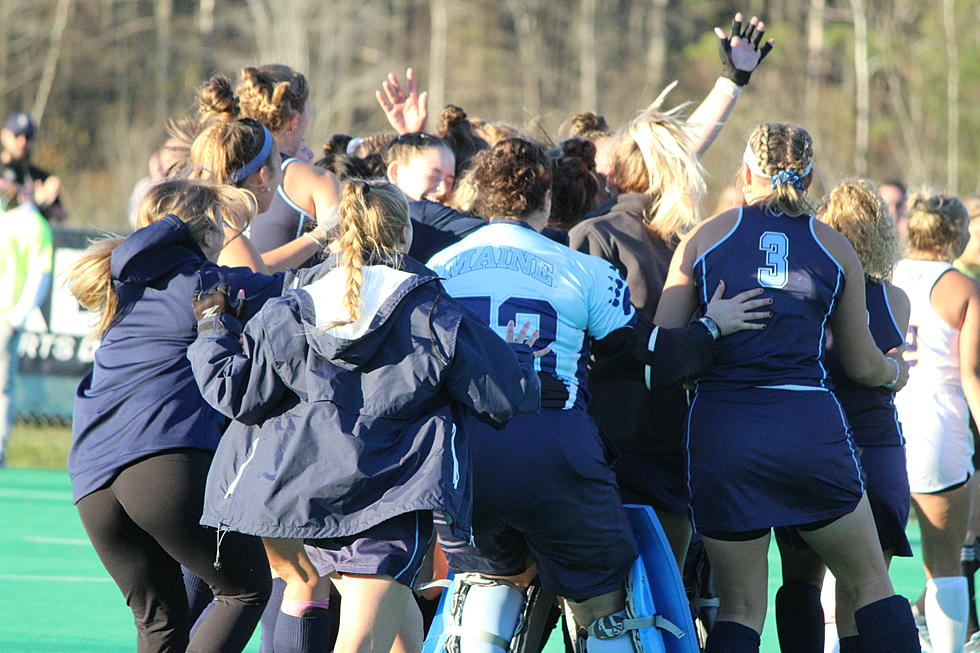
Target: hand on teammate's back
(738, 313)
(740, 53)
(525, 339)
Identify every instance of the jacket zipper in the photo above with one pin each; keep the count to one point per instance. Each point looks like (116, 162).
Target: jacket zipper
(452, 448)
(241, 470)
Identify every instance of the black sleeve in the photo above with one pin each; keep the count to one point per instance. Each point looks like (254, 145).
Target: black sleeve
(663, 356)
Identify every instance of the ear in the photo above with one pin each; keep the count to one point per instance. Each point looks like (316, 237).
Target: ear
(392, 172)
(746, 176)
(806, 181)
(293, 122)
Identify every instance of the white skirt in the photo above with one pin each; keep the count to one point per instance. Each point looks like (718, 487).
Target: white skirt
(938, 441)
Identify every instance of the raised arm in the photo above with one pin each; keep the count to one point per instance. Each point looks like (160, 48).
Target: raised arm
(740, 55)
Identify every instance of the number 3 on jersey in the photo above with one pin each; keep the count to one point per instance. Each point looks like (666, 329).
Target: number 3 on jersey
(775, 273)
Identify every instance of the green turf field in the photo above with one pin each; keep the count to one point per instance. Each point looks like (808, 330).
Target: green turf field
(55, 596)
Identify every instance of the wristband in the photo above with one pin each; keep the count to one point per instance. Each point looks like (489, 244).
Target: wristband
(891, 385)
(322, 244)
(711, 326)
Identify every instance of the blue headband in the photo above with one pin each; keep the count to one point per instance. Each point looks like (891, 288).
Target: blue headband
(249, 169)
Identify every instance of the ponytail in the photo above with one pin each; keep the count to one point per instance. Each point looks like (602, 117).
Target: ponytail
(783, 153)
(90, 281)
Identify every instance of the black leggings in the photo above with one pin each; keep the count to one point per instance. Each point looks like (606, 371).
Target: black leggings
(144, 526)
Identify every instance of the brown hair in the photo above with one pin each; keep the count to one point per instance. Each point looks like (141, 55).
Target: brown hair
(226, 143)
(200, 205)
(655, 156)
(574, 183)
(372, 217)
(590, 126)
(401, 149)
(512, 179)
(494, 132)
(855, 209)
(272, 94)
(781, 147)
(937, 223)
(460, 136)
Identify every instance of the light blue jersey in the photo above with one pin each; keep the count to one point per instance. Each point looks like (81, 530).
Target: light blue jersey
(507, 271)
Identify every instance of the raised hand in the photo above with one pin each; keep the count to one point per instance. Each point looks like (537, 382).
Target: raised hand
(522, 337)
(740, 53)
(737, 313)
(406, 109)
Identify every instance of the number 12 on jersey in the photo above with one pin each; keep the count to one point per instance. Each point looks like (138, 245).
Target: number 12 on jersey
(539, 312)
(775, 273)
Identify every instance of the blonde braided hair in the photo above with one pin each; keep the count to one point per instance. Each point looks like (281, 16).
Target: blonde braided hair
(779, 146)
(372, 217)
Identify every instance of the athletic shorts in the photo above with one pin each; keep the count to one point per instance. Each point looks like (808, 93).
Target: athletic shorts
(938, 440)
(543, 493)
(761, 458)
(887, 487)
(654, 479)
(395, 547)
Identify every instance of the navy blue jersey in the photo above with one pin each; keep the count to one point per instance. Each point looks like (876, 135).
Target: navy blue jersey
(870, 411)
(781, 254)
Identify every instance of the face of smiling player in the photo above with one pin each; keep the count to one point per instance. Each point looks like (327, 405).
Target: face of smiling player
(428, 174)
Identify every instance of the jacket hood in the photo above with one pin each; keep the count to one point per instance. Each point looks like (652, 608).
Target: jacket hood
(382, 291)
(154, 251)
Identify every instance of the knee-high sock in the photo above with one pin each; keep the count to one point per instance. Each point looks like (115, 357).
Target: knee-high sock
(946, 613)
(968, 564)
(731, 637)
(491, 609)
(269, 616)
(799, 618)
(887, 626)
(307, 634)
(851, 645)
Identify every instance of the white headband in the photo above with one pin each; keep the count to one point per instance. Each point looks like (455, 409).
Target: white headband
(748, 158)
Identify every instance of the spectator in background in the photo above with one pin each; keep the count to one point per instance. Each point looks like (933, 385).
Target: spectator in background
(162, 161)
(43, 188)
(893, 193)
(25, 277)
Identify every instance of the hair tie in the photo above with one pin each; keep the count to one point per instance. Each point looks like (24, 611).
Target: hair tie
(786, 177)
(249, 168)
(352, 146)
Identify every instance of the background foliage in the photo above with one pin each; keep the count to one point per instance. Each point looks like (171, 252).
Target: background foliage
(888, 88)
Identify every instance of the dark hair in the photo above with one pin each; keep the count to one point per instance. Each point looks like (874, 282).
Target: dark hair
(574, 183)
(460, 136)
(336, 160)
(404, 147)
(590, 126)
(512, 179)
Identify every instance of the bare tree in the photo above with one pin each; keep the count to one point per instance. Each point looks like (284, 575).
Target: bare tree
(862, 87)
(952, 97)
(657, 47)
(588, 74)
(51, 60)
(438, 46)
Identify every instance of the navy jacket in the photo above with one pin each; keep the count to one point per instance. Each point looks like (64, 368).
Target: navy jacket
(140, 397)
(341, 428)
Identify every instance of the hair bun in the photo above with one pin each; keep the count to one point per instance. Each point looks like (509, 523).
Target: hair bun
(217, 99)
(452, 114)
(581, 149)
(586, 122)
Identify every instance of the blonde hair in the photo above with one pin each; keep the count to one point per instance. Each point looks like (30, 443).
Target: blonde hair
(272, 94)
(655, 156)
(200, 205)
(937, 223)
(372, 217)
(855, 209)
(778, 147)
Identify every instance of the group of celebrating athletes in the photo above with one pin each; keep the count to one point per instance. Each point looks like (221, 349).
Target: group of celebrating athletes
(304, 382)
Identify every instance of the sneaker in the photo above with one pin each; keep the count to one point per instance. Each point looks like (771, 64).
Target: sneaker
(920, 623)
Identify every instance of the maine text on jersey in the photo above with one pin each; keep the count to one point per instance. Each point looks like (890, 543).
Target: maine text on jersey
(503, 257)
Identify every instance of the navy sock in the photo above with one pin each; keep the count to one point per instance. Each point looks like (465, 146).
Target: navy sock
(851, 644)
(307, 634)
(887, 626)
(799, 618)
(731, 637)
(269, 616)
(198, 594)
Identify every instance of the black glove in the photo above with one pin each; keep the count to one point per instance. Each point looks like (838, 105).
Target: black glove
(753, 37)
(215, 301)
